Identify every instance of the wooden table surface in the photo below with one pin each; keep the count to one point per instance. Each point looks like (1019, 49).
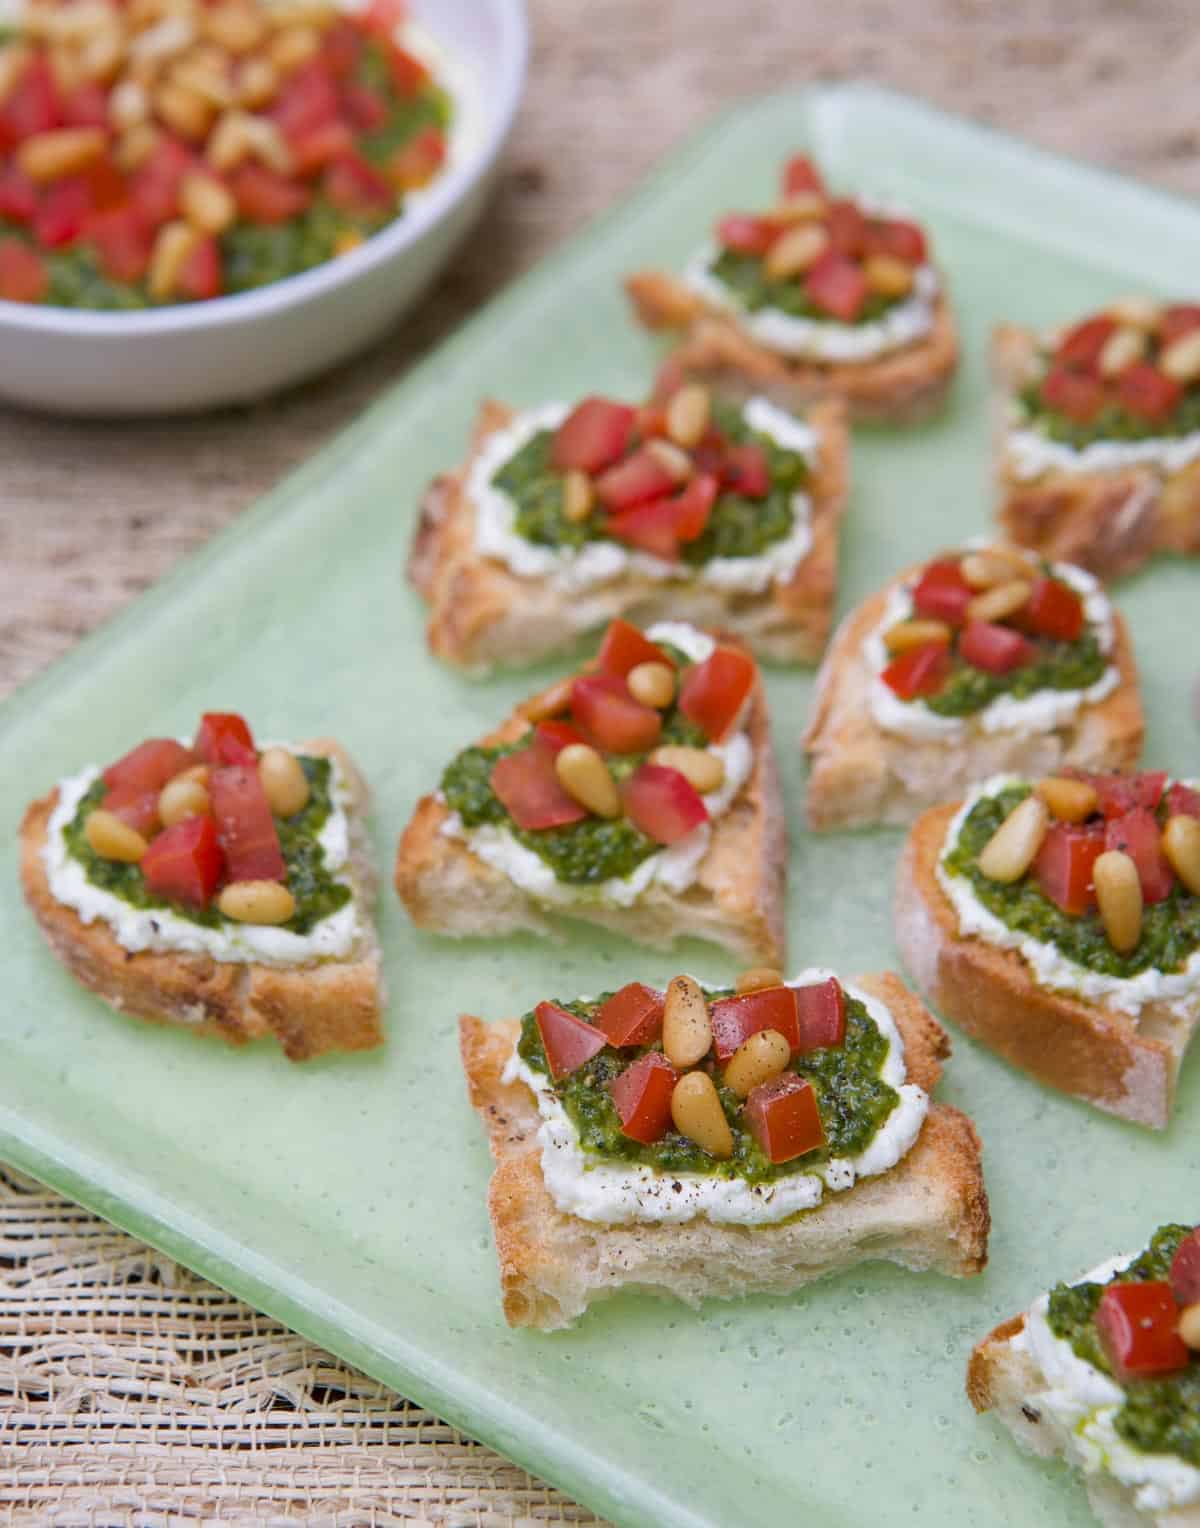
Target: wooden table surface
(91, 513)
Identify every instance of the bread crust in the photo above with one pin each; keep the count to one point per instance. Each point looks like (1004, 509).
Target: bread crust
(481, 614)
(928, 1212)
(1097, 1054)
(1108, 521)
(860, 775)
(331, 1005)
(902, 386)
(737, 900)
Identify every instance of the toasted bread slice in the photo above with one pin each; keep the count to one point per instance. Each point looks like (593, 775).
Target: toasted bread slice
(1123, 1065)
(328, 1005)
(737, 899)
(482, 614)
(928, 1212)
(1110, 522)
(860, 774)
(901, 386)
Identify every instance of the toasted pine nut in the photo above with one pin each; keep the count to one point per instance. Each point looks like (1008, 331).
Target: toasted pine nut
(206, 203)
(987, 568)
(257, 902)
(76, 23)
(803, 207)
(113, 839)
(166, 38)
(1069, 800)
(136, 144)
(257, 83)
(268, 145)
(1181, 845)
(1137, 310)
(905, 635)
(208, 84)
(697, 1113)
(1122, 348)
(888, 276)
(1181, 360)
(14, 59)
(1010, 851)
(237, 28)
(758, 977)
(702, 770)
(102, 56)
(757, 1059)
(293, 46)
(586, 778)
(1001, 601)
(284, 782)
(63, 151)
(795, 251)
(552, 701)
(128, 105)
(688, 414)
(678, 463)
(228, 143)
(172, 247)
(183, 110)
(653, 684)
(687, 1027)
(197, 772)
(66, 66)
(578, 496)
(181, 798)
(1119, 895)
(1189, 1325)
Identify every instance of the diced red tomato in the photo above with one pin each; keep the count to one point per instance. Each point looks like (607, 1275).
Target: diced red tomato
(149, 766)
(1139, 1330)
(409, 74)
(1078, 395)
(107, 187)
(594, 435)
(995, 649)
(341, 48)
(1065, 863)
(942, 593)
(528, 788)
(121, 241)
(23, 274)
(1185, 1269)
(822, 1014)
(650, 421)
(1183, 801)
(263, 196)
(664, 805)
(154, 186)
(837, 286)
(1124, 793)
(652, 527)
(1177, 321)
(735, 1019)
(642, 1096)
(632, 1016)
(800, 174)
(1137, 834)
(416, 162)
(783, 1117)
(1147, 392)
(624, 647)
(307, 99)
(746, 235)
(32, 105)
(897, 237)
(746, 471)
(363, 108)
(1054, 610)
(316, 147)
(382, 17)
(920, 671)
(356, 187)
(713, 692)
(693, 506)
(86, 106)
(635, 480)
(668, 379)
(246, 827)
(604, 708)
(224, 738)
(555, 736)
(62, 213)
(138, 808)
(847, 229)
(1080, 347)
(569, 1042)
(200, 276)
(184, 862)
(18, 195)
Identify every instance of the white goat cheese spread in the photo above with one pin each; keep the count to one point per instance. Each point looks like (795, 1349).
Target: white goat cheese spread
(1030, 453)
(614, 1193)
(1042, 711)
(156, 928)
(1084, 1402)
(1048, 966)
(573, 570)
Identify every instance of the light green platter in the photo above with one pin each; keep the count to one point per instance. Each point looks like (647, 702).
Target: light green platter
(346, 1197)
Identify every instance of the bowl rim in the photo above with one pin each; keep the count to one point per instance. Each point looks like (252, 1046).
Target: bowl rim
(505, 84)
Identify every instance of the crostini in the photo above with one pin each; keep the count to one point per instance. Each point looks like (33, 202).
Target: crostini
(640, 794)
(1105, 1373)
(820, 296)
(979, 661)
(215, 885)
(641, 1136)
(1098, 442)
(1058, 922)
(686, 508)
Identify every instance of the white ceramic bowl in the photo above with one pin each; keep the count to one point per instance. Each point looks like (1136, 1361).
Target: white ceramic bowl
(234, 349)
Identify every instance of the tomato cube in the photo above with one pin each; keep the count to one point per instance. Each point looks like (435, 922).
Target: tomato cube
(624, 647)
(23, 274)
(355, 187)
(632, 1016)
(663, 804)
(200, 275)
(783, 1117)
(154, 186)
(341, 48)
(847, 229)
(635, 480)
(1185, 1269)
(121, 241)
(32, 105)
(942, 593)
(1147, 392)
(1078, 395)
(1139, 1330)
(307, 99)
(86, 106)
(1054, 610)
(800, 174)
(1137, 834)
(735, 1019)
(897, 237)
(528, 789)
(62, 213)
(1080, 347)
(920, 671)
(714, 692)
(363, 108)
(184, 862)
(652, 527)
(18, 195)
(149, 766)
(1183, 801)
(246, 827)
(409, 74)
(224, 738)
(642, 1096)
(263, 196)
(747, 471)
(1177, 321)
(593, 436)
(569, 1042)
(136, 807)
(1064, 865)
(693, 506)
(416, 162)
(837, 286)
(746, 235)
(821, 1009)
(555, 736)
(1125, 793)
(604, 708)
(995, 649)
(318, 146)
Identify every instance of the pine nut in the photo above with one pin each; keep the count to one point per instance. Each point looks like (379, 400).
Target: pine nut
(62, 151)
(697, 1113)
(795, 251)
(293, 46)
(688, 414)
(257, 83)
(102, 56)
(283, 781)
(183, 111)
(206, 203)
(586, 778)
(906, 635)
(1011, 849)
(1119, 895)
(703, 771)
(888, 276)
(1122, 348)
(257, 902)
(1069, 800)
(113, 839)
(578, 496)
(1181, 360)
(181, 798)
(128, 105)
(997, 603)
(167, 38)
(210, 85)
(1189, 1325)
(268, 144)
(757, 1059)
(198, 772)
(172, 247)
(1141, 312)
(652, 684)
(984, 570)
(136, 144)
(229, 142)
(237, 28)
(678, 463)
(803, 207)
(758, 977)
(76, 23)
(547, 703)
(14, 59)
(66, 67)
(1181, 845)
(687, 1027)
